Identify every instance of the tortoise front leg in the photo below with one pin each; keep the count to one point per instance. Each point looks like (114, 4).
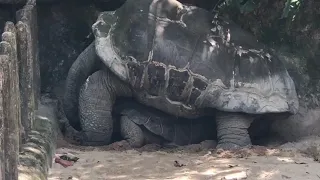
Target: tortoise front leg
(136, 134)
(96, 100)
(232, 130)
(131, 132)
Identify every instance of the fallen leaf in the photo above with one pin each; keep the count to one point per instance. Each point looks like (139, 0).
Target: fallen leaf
(177, 164)
(69, 158)
(232, 166)
(285, 177)
(300, 162)
(64, 163)
(236, 176)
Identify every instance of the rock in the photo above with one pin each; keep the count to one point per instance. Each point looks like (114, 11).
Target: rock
(63, 34)
(305, 123)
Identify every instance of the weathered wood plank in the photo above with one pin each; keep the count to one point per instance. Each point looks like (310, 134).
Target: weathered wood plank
(3, 68)
(29, 70)
(11, 124)
(9, 35)
(36, 155)
(11, 102)
(28, 15)
(26, 77)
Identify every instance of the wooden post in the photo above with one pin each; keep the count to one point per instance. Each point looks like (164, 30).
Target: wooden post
(28, 15)
(10, 105)
(9, 35)
(3, 58)
(29, 71)
(38, 152)
(8, 118)
(25, 69)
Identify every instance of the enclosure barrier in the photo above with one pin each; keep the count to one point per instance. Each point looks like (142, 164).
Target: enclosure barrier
(28, 131)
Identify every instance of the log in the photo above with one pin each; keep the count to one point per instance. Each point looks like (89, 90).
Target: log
(36, 155)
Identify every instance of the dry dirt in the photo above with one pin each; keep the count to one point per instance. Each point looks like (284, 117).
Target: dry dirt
(292, 161)
(117, 162)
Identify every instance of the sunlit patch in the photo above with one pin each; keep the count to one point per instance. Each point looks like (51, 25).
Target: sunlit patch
(34, 150)
(42, 117)
(186, 172)
(223, 161)
(99, 166)
(86, 84)
(268, 174)
(136, 168)
(252, 60)
(285, 159)
(210, 171)
(270, 152)
(182, 178)
(117, 177)
(237, 175)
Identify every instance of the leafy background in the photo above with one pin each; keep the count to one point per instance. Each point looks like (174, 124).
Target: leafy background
(289, 26)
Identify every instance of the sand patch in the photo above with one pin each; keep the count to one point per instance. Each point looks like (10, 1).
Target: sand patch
(252, 164)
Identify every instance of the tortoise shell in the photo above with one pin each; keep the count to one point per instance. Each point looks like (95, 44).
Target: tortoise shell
(187, 55)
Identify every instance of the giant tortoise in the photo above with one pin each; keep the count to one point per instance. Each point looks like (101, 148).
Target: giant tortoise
(181, 60)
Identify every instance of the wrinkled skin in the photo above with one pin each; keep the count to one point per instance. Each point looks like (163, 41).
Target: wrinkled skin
(218, 67)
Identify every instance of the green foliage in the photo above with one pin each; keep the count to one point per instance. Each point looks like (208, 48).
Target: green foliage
(247, 6)
(291, 7)
(244, 6)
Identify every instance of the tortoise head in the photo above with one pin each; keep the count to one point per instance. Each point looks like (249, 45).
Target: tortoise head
(166, 8)
(104, 23)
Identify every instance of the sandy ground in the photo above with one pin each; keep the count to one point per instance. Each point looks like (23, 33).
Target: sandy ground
(299, 161)
(115, 162)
